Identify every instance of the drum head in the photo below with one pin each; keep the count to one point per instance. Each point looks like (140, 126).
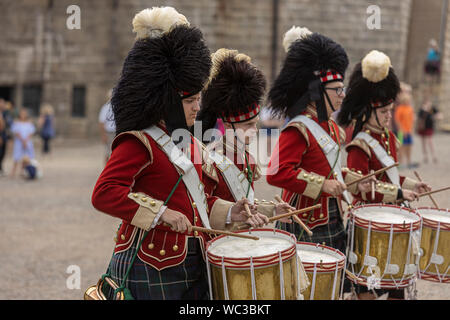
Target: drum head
(434, 216)
(310, 254)
(271, 242)
(387, 214)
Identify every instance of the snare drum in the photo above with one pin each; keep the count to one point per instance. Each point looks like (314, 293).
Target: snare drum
(435, 245)
(383, 246)
(324, 267)
(245, 269)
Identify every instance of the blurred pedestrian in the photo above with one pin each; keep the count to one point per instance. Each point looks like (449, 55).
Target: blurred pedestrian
(428, 114)
(432, 66)
(404, 119)
(23, 130)
(46, 125)
(107, 125)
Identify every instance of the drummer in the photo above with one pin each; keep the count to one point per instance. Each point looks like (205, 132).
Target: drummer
(150, 102)
(308, 90)
(233, 94)
(369, 100)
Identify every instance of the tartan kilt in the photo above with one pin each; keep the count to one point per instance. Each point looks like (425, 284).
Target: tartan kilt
(186, 281)
(333, 234)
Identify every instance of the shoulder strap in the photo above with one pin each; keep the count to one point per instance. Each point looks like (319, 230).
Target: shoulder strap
(189, 174)
(382, 156)
(328, 146)
(236, 181)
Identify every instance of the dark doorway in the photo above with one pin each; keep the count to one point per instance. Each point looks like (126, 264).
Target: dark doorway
(7, 93)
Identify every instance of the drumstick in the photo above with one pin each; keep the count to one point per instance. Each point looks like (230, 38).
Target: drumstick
(431, 192)
(372, 174)
(291, 213)
(431, 197)
(426, 193)
(281, 216)
(247, 209)
(228, 233)
(297, 219)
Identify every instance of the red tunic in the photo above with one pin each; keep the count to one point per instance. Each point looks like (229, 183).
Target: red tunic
(362, 158)
(135, 167)
(297, 157)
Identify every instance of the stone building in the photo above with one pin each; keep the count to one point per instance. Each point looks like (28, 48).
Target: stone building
(44, 60)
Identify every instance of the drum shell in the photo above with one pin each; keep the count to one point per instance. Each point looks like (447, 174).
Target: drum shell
(325, 275)
(267, 282)
(429, 232)
(266, 271)
(379, 245)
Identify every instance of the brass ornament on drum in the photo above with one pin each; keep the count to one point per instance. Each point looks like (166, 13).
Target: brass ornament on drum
(383, 246)
(435, 245)
(324, 266)
(243, 269)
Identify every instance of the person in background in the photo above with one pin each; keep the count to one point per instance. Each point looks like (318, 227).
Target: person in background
(404, 119)
(427, 116)
(46, 125)
(23, 130)
(432, 66)
(107, 125)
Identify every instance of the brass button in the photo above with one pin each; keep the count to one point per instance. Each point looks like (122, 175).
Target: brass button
(144, 199)
(153, 203)
(122, 237)
(308, 116)
(115, 239)
(135, 195)
(195, 219)
(368, 131)
(311, 178)
(162, 252)
(305, 215)
(392, 188)
(175, 248)
(256, 200)
(245, 170)
(196, 233)
(378, 185)
(359, 172)
(386, 186)
(321, 215)
(194, 205)
(319, 180)
(382, 135)
(151, 246)
(313, 219)
(305, 175)
(335, 174)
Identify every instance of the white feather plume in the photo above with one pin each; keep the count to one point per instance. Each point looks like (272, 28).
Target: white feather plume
(293, 34)
(375, 66)
(150, 23)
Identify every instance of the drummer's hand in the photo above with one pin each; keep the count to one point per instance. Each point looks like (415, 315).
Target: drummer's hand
(178, 222)
(282, 208)
(257, 220)
(334, 187)
(421, 187)
(409, 195)
(366, 185)
(239, 214)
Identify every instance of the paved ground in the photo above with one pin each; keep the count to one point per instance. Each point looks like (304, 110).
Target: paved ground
(49, 227)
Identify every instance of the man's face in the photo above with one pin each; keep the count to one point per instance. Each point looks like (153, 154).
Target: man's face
(336, 93)
(191, 107)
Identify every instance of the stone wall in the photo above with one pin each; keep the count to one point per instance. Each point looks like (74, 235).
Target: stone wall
(38, 47)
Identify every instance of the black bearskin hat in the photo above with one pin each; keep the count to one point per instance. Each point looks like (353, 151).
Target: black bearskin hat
(168, 62)
(373, 84)
(234, 91)
(311, 61)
